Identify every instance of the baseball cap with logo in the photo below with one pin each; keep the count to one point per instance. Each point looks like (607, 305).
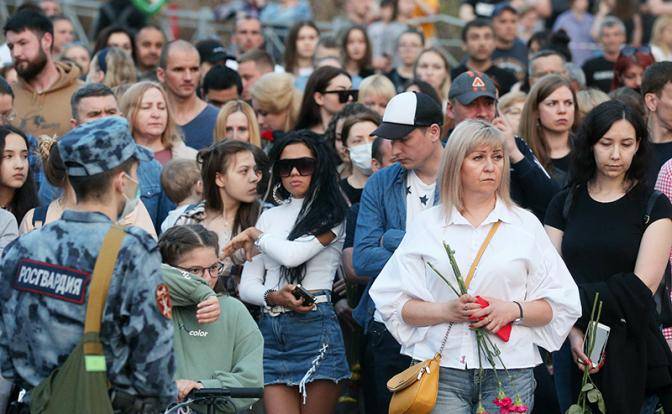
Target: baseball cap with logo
(471, 85)
(406, 112)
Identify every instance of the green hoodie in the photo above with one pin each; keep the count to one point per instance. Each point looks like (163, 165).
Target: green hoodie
(226, 353)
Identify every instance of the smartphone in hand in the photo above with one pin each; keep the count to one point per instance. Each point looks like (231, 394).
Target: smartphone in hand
(302, 294)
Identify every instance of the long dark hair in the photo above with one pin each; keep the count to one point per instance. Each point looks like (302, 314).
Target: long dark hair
(216, 159)
(324, 206)
(104, 36)
(309, 116)
(25, 197)
(595, 125)
(290, 51)
(365, 62)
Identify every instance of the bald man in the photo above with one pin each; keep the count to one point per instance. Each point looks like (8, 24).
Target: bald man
(179, 73)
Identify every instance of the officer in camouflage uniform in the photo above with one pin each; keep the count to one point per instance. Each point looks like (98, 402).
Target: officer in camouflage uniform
(45, 275)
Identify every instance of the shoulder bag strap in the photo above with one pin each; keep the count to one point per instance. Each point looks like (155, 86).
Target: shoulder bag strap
(472, 271)
(100, 282)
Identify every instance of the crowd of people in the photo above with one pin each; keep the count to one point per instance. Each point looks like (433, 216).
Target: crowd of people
(299, 221)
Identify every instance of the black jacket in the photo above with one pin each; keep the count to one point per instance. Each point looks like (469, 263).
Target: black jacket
(531, 187)
(638, 360)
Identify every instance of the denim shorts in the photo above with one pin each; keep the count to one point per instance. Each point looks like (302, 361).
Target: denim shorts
(303, 347)
(459, 390)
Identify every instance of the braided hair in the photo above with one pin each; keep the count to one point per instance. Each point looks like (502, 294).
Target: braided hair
(180, 240)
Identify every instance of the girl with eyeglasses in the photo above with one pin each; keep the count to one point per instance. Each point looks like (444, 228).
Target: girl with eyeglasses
(299, 242)
(327, 91)
(209, 352)
(230, 203)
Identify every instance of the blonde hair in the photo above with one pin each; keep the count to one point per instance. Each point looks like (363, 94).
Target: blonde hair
(120, 68)
(379, 85)
(510, 99)
(657, 32)
(179, 179)
(465, 138)
(129, 105)
(274, 93)
(588, 99)
(233, 107)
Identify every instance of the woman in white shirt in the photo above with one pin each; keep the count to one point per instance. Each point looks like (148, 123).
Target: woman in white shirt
(300, 242)
(520, 275)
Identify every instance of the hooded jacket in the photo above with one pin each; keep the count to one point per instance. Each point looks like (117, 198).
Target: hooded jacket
(47, 112)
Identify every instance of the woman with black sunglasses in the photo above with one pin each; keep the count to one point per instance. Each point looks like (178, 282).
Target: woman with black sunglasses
(327, 91)
(296, 247)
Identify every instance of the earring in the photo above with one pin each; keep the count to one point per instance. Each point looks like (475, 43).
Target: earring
(276, 194)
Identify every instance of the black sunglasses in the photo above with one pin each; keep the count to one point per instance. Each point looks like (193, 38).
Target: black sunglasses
(629, 51)
(305, 166)
(344, 95)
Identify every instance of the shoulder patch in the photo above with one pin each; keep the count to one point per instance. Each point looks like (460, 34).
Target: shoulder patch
(163, 301)
(58, 282)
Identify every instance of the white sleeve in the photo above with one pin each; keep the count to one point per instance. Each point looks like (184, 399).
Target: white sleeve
(251, 288)
(293, 253)
(402, 279)
(549, 279)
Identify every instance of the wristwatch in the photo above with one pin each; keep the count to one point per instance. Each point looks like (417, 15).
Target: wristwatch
(518, 320)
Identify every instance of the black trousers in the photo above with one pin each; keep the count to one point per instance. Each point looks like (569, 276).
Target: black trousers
(381, 361)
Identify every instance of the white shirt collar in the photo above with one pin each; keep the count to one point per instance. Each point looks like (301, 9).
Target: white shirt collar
(500, 212)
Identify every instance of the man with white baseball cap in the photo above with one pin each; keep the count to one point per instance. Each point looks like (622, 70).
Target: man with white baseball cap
(391, 199)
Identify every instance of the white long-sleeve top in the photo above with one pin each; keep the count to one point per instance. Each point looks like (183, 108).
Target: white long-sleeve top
(519, 264)
(263, 272)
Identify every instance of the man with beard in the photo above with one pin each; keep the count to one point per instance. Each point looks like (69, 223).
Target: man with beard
(148, 44)
(478, 40)
(42, 93)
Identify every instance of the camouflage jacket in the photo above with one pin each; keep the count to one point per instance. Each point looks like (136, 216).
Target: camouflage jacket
(44, 281)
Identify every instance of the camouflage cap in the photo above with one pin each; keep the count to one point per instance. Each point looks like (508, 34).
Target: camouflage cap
(98, 146)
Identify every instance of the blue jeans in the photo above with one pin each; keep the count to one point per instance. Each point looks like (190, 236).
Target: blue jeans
(459, 389)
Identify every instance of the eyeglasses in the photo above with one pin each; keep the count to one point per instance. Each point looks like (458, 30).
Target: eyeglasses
(213, 271)
(630, 51)
(344, 95)
(305, 166)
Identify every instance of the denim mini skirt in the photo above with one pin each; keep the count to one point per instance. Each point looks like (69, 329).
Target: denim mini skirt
(303, 347)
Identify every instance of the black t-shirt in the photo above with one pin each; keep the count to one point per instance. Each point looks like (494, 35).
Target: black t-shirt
(350, 226)
(504, 79)
(561, 164)
(513, 59)
(398, 80)
(602, 239)
(599, 73)
(662, 153)
(353, 194)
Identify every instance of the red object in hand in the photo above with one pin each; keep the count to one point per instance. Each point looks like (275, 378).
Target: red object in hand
(504, 333)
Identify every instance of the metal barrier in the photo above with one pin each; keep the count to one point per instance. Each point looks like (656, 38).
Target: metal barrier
(201, 24)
